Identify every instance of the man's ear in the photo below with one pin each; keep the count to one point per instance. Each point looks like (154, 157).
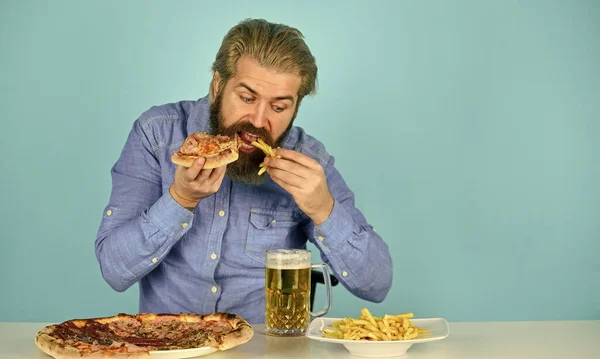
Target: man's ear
(215, 84)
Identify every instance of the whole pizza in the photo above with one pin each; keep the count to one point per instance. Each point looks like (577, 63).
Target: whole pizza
(137, 335)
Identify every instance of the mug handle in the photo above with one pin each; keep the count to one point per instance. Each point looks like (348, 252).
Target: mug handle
(327, 279)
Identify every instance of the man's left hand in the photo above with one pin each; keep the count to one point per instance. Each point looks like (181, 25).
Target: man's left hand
(304, 178)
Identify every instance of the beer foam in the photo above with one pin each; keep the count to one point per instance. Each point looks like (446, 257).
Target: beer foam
(288, 259)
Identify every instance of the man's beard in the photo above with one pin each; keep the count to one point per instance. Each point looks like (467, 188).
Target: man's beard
(246, 167)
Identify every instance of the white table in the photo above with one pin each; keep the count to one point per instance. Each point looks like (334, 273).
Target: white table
(552, 339)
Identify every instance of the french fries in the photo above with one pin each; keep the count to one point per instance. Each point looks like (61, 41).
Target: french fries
(368, 327)
(267, 150)
(264, 147)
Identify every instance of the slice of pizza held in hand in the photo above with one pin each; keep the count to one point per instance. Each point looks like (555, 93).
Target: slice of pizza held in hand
(139, 335)
(218, 150)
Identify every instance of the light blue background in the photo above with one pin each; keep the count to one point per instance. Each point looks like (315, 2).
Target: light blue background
(469, 131)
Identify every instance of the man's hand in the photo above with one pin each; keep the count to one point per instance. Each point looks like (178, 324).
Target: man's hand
(190, 185)
(305, 180)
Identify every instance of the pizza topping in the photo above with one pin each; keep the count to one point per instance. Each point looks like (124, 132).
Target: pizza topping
(147, 342)
(219, 326)
(89, 332)
(163, 332)
(222, 139)
(125, 327)
(202, 144)
(196, 144)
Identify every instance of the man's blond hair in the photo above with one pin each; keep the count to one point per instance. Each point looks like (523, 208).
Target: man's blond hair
(275, 46)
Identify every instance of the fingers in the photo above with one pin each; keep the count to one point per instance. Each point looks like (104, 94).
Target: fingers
(286, 186)
(203, 175)
(210, 175)
(192, 172)
(217, 174)
(196, 172)
(288, 166)
(297, 157)
(288, 178)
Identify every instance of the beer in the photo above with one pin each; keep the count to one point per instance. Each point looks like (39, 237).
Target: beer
(287, 290)
(288, 300)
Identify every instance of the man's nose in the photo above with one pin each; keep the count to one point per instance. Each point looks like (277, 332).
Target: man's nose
(257, 116)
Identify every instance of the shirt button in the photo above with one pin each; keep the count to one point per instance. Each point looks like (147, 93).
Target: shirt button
(154, 260)
(344, 274)
(320, 238)
(273, 221)
(109, 212)
(184, 225)
(213, 256)
(214, 289)
(221, 213)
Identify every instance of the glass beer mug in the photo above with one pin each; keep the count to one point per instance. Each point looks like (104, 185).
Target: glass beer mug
(287, 290)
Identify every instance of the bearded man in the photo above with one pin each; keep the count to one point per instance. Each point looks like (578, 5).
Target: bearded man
(195, 239)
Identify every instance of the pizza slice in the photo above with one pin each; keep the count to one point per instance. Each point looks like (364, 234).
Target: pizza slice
(218, 150)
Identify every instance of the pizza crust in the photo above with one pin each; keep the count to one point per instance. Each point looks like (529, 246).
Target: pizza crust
(213, 161)
(242, 331)
(50, 346)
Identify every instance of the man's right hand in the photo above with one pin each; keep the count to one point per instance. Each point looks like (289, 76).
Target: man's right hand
(192, 184)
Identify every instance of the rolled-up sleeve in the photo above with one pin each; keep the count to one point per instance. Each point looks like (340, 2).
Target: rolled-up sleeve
(140, 224)
(357, 255)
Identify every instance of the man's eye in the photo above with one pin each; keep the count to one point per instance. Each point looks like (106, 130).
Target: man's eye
(277, 108)
(247, 99)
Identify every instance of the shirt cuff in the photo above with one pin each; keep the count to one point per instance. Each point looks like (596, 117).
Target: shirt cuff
(170, 217)
(336, 229)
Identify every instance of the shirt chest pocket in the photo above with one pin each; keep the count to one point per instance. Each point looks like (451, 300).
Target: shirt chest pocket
(270, 229)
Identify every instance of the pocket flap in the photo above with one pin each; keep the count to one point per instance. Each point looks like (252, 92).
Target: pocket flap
(263, 218)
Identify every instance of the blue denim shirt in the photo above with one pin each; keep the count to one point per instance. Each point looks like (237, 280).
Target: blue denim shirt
(212, 259)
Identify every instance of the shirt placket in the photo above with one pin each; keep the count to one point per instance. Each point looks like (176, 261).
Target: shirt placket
(213, 250)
